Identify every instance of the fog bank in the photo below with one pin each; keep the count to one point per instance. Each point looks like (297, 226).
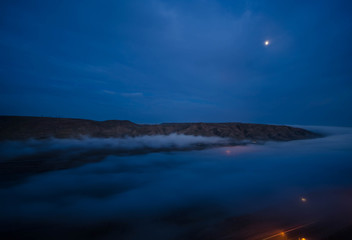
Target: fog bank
(14, 149)
(173, 195)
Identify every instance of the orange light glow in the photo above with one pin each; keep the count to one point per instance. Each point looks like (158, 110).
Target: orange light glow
(228, 152)
(303, 199)
(283, 233)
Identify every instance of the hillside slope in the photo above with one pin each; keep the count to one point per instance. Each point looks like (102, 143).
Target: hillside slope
(20, 128)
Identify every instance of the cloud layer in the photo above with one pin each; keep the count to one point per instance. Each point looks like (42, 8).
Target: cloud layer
(170, 195)
(15, 149)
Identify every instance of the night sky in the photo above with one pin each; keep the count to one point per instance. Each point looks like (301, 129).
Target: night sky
(178, 61)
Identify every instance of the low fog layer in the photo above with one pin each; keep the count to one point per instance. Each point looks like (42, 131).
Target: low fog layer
(15, 149)
(174, 194)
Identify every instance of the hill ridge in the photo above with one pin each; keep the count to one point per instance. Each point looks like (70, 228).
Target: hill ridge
(21, 128)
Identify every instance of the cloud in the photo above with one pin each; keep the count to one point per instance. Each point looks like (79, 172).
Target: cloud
(109, 92)
(166, 195)
(15, 149)
(132, 94)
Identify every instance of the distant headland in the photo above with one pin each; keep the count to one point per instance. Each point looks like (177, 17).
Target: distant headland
(22, 128)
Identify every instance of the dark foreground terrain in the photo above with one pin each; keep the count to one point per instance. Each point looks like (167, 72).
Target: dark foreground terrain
(20, 128)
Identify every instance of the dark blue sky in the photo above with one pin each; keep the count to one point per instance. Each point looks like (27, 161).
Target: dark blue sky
(178, 61)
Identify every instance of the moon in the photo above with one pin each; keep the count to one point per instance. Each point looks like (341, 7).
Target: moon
(266, 43)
